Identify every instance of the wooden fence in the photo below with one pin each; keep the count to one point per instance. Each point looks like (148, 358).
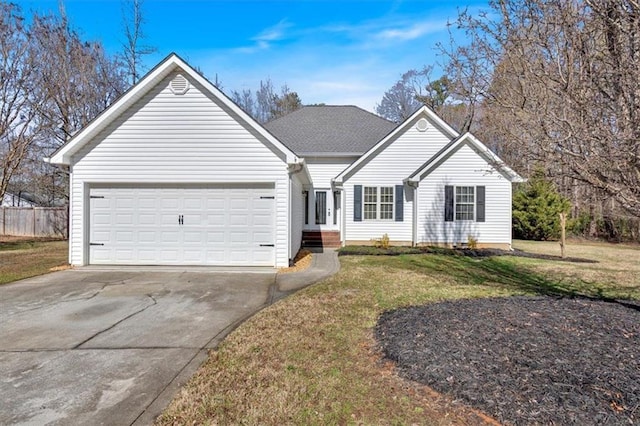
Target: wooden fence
(34, 221)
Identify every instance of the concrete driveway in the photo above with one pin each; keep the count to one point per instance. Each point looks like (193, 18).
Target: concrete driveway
(113, 346)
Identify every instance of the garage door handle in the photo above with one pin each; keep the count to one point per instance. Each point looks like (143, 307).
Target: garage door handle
(96, 244)
(266, 245)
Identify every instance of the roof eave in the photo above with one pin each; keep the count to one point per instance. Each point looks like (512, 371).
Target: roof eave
(64, 154)
(398, 129)
(494, 160)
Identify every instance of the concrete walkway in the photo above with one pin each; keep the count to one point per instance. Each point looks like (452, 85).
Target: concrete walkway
(112, 347)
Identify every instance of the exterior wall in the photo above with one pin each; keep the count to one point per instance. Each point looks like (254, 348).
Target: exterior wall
(396, 162)
(165, 138)
(323, 169)
(297, 216)
(465, 168)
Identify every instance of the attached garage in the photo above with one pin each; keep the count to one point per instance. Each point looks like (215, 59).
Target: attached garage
(230, 225)
(174, 173)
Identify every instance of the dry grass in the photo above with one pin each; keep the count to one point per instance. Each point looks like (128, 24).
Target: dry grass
(22, 257)
(616, 265)
(311, 359)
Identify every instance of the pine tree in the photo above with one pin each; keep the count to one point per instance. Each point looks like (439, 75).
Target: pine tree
(537, 205)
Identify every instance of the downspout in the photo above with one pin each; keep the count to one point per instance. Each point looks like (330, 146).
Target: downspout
(414, 221)
(292, 168)
(337, 186)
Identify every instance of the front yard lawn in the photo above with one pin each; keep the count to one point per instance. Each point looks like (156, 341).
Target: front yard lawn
(27, 257)
(312, 358)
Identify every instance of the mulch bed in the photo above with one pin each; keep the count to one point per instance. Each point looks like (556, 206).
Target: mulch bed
(524, 360)
(466, 252)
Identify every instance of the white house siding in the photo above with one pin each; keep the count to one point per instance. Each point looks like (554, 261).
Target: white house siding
(464, 168)
(401, 158)
(297, 213)
(323, 169)
(165, 138)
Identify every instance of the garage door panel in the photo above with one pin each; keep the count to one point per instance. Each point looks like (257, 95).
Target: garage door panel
(124, 219)
(147, 237)
(220, 226)
(169, 237)
(216, 220)
(124, 237)
(102, 219)
(193, 238)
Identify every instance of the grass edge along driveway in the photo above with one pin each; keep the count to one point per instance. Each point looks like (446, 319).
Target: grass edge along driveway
(27, 257)
(311, 358)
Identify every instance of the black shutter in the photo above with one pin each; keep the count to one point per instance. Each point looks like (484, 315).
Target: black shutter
(448, 203)
(399, 201)
(357, 203)
(480, 203)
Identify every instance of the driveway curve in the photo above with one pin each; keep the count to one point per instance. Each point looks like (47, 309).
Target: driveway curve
(93, 346)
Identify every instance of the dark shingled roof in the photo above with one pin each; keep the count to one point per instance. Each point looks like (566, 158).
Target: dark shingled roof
(330, 129)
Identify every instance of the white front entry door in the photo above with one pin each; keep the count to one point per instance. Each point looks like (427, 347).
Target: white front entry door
(182, 226)
(325, 210)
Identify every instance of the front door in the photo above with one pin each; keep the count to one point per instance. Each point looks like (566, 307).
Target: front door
(324, 214)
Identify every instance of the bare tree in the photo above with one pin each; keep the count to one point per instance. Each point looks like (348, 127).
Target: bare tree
(51, 84)
(19, 128)
(401, 100)
(134, 49)
(266, 104)
(558, 82)
(285, 103)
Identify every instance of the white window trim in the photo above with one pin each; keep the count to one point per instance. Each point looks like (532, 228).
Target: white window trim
(379, 203)
(455, 204)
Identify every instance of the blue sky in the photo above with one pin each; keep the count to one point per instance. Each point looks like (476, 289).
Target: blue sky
(335, 52)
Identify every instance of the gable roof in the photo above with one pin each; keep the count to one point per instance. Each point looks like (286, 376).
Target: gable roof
(382, 144)
(330, 129)
(153, 77)
(492, 159)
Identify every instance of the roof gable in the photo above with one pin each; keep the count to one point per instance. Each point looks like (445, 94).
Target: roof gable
(155, 76)
(389, 138)
(492, 159)
(330, 130)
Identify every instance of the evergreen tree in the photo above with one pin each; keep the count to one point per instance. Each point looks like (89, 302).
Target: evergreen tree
(537, 205)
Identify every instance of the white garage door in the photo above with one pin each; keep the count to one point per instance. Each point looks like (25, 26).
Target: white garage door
(182, 226)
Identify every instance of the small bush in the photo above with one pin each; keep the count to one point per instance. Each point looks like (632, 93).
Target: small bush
(382, 242)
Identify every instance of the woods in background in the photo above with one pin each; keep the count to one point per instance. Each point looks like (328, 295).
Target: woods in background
(51, 84)
(555, 85)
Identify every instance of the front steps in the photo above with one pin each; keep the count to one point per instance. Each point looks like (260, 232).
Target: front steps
(322, 239)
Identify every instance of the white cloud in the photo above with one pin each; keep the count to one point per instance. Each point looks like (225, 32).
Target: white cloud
(336, 63)
(273, 33)
(266, 37)
(412, 32)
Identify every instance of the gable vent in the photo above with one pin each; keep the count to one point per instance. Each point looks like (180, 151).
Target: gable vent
(422, 125)
(179, 85)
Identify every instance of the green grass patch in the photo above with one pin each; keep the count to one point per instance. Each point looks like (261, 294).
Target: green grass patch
(311, 358)
(22, 258)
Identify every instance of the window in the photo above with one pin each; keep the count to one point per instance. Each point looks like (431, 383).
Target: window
(370, 202)
(465, 202)
(305, 196)
(386, 202)
(378, 202)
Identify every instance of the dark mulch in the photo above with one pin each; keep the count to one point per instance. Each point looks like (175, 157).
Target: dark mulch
(524, 360)
(467, 252)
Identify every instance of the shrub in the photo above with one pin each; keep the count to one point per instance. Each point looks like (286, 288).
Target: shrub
(537, 205)
(382, 242)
